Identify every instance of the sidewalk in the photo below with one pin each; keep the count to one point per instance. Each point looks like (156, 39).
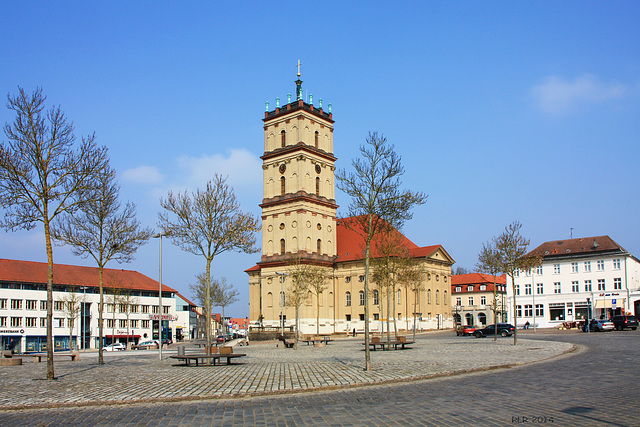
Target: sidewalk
(138, 376)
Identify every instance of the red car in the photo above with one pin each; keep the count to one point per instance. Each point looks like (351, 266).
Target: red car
(465, 330)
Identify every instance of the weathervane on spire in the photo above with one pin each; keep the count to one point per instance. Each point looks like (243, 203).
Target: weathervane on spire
(299, 83)
(299, 64)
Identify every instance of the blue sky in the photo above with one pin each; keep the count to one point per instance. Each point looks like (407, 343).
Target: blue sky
(501, 111)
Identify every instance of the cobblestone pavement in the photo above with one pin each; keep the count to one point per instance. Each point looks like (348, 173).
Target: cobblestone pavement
(594, 386)
(139, 375)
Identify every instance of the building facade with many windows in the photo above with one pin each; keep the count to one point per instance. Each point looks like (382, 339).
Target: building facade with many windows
(473, 301)
(579, 278)
(130, 313)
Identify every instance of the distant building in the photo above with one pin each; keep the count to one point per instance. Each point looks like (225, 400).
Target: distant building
(300, 224)
(473, 299)
(23, 306)
(187, 319)
(579, 278)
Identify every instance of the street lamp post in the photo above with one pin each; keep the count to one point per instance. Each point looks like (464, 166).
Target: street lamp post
(160, 236)
(281, 301)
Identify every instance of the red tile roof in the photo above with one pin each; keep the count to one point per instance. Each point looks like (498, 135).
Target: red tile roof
(577, 246)
(476, 279)
(36, 272)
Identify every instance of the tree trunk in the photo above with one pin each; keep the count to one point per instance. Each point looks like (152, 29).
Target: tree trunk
(100, 316)
(318, 315)
(47, 237)
(367, 351)
(207, 308)
(515, 312)
(388, 315)
(415, 308)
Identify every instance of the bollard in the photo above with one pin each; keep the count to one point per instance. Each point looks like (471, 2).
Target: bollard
(181, 350)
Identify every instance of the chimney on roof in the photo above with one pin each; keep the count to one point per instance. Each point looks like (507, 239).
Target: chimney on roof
(595, 244)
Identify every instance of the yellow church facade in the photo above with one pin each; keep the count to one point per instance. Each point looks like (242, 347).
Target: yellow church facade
(300, 224)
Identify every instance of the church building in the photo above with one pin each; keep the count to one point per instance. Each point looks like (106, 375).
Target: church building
(300, 225)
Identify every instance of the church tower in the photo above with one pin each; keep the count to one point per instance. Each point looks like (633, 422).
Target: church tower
(298, 205)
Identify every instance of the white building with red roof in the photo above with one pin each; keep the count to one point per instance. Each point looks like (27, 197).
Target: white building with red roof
(300, 224)
(134, 314)
(474, 300)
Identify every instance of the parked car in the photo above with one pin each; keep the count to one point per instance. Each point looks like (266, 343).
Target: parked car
(166, 341)
(221, 338)
(465, 330)
(623, 321)
(145, 345)
(118, 346)
(600, 325)
(504, 330)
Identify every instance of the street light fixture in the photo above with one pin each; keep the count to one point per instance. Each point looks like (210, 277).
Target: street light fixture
(160, 236)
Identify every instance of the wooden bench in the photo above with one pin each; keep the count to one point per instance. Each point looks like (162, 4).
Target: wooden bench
(400, 341)
(287, 343)
(225, 352)
(37, 357)
(315, 339)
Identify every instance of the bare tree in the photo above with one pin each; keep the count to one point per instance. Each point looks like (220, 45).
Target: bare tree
(409, 276)
(104, 230)
(72, 306)
(490, 261)
(43, 175)
(512, 247)
(127, 302)
(376, 198)
(224, 295)
(208, 223)
(298, 292)
(317, 278)
(199, 291)
(461, 270)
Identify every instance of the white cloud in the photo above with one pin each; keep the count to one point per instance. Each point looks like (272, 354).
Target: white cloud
(243, 168)
(557, 95)
(143, 175)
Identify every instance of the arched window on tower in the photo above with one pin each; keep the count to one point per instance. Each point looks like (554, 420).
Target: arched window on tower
(348, 299)
(282, 247)
(376, 297)
(437, 297)
(317, 139)
(317, 186)
(283, 139)
(319, 244)
(282, 186)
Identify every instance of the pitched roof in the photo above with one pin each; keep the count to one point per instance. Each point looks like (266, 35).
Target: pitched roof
(476, 279)
(583, 245)
(36, 272)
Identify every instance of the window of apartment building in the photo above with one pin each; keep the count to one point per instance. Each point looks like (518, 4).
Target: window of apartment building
(133, 323)
(361, 316)
(517, 289)
(483, 287)
(376, 316)
(601, 285)
(43, 304)
(348, 299)
(43, 322)
(569, 309)
(145, 324)
(600, 265)
(31, 304)
(469, 288)
(376, 297)
(518, 310)
(347, 279)
(122, 323)
(527, 289)
(556, 288)
(539, 288)
(539, 310)
(165, 309)
(444, 298)
(587, 285)
(3, 321)
(348, 317)
(587, 266)
(154, 309)
(574, 267)
(111, 308)
(437, 296)
(517, 272)
(3, 303)
(483, 300)
(539, 270)
(16, 304)
(122, 308)
(616, 264)
(361, 278)
(111, 323)
(16, 322)
(556, 268)
(135, 308)
(145, 309)
(428, 296)
(58, 323)
(58, 305)
(470, 300)
(617, 283)
(361, 296)
(458, 301)
(398, 295)
(575, 286)
(31, 322)
(528, 310)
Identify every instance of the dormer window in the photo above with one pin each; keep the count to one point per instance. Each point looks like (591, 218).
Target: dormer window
(469, 288)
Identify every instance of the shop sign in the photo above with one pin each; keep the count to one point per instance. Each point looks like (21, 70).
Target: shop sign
(11, 331)
(164, 317)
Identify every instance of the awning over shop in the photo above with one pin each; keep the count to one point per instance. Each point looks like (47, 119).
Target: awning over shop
(606, 303)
